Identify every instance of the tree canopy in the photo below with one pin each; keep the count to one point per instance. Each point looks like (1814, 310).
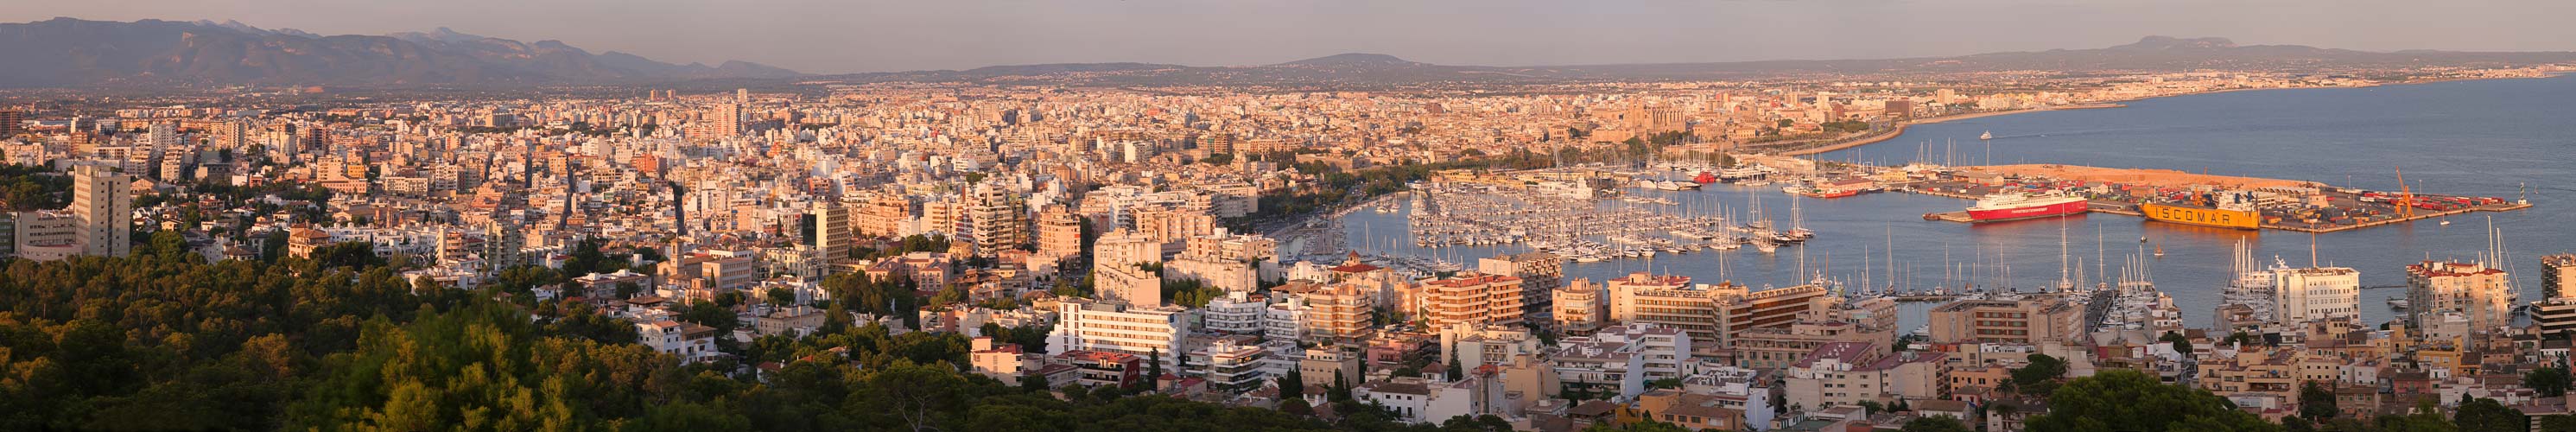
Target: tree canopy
(2127, 400)
(2548, 381)
(152, 342)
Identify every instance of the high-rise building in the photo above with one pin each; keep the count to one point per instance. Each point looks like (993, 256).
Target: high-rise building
(2556, 271)
(999, 218)
(1713, 314)
(831, 233)
(502, 242)
(12, 122)
(1540, 272)
(1327, 311)
(1578, 307)
(1476, 299)
(102, 199)
(1059, 233)
(2556, 310)
(162, 134)
(2314, 294)
(2481, 294)
(726, 120)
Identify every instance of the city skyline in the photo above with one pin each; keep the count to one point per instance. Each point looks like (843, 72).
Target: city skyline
(1435, 216)
(935, 36)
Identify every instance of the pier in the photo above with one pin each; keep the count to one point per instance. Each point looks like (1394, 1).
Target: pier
(2296, 207)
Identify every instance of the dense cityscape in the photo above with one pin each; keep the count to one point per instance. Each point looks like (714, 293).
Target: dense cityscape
(1085, 250)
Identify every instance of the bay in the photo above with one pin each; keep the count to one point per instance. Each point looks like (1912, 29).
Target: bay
(2512, 138)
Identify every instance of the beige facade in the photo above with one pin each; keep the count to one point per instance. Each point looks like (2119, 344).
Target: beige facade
(2030, 319)
(1713, 314)
(1472, 299)
(2484, 295)
(1579, 308)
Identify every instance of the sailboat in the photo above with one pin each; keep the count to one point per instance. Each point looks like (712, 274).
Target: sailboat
(1986, 136)
(2160, 249)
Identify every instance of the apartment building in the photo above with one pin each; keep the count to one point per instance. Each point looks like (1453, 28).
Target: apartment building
(1472, 298)
(1713, 314)
(2026, 319)
(1847, 373)
(1089, 325)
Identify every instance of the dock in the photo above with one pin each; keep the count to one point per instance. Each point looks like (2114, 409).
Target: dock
(2130, 209)
(1923, 298)
(2397, 220)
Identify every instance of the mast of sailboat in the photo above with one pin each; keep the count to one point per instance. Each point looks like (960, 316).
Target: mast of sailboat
(1721, 268)
(1802, 262)
(2101, 254)
(1949, 270)
(2064, 282)
(1797, 219)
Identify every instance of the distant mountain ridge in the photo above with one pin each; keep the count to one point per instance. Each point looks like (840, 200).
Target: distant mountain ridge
(73, 52)
(1355, 60)
(2148, 54)
(70, 52)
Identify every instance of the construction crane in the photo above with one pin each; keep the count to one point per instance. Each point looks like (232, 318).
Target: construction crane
(2405, 195)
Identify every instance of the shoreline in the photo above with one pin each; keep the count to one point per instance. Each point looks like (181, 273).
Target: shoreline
(1900, 128)
(2109, 104)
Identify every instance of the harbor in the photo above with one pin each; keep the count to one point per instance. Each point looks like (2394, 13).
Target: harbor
(1877, 241)
(2216, 201)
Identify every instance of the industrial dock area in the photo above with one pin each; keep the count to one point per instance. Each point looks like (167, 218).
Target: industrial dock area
(2199, 199)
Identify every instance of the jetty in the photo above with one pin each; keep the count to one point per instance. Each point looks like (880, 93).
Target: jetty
(2287, 205)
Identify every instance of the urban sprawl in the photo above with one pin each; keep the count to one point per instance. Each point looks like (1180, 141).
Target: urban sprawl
(1185, 241)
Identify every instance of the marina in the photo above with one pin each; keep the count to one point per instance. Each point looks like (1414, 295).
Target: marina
(1591, 230)
(2196, 270)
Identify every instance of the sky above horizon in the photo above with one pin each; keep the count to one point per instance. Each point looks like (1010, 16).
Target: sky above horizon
(825, 36)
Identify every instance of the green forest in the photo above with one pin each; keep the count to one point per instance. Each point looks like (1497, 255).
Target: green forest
(164, 341)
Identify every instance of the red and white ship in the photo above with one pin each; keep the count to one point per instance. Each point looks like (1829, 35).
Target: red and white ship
(2016, 206)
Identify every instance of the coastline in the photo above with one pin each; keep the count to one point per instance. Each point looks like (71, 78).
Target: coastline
(2106, 104)
(1900, 129)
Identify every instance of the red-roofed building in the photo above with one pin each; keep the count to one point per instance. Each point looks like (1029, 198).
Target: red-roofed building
(1099, 368)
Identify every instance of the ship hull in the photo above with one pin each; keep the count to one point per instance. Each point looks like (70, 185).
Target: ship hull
(2028, 212)
(2202, 216)
(1831, 193)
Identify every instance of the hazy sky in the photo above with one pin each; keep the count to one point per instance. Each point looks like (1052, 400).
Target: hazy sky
(822, 36)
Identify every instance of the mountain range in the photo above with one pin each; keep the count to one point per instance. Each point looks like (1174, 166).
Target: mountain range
(2148, 54)
(73, 52)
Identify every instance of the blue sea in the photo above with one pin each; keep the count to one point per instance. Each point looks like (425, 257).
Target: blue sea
(2511, 138)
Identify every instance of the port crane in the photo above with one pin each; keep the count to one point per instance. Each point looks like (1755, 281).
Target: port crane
(2405, 195)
